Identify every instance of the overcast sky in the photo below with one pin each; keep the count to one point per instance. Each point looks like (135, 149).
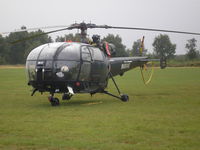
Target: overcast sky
(183, 15)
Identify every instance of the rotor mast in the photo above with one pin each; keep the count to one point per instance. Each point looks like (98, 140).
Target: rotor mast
(83, 28)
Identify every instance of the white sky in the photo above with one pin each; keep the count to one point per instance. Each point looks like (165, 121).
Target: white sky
(183, 15)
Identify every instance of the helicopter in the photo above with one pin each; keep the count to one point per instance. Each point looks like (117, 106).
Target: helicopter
(82, 67)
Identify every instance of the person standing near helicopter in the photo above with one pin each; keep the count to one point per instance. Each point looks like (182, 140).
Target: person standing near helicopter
(107, 48)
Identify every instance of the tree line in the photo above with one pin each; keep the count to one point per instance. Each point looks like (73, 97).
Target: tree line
(16, 52)
(163, 47)
(12, 52)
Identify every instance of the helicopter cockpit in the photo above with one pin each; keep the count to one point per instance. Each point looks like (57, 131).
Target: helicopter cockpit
(54, 66)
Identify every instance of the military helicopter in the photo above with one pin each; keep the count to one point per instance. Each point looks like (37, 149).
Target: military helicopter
(81, 67)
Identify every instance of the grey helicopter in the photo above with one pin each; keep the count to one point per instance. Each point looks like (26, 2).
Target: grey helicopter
(82, 67)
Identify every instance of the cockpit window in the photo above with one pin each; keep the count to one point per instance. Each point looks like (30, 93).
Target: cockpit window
(49, 51)
(35, 52)
(96, 54)
(85, 54)
(70, 52)
(30, 68)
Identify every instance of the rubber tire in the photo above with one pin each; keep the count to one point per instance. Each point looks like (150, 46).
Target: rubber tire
(66, 97)
(124, 98)
(54, 101)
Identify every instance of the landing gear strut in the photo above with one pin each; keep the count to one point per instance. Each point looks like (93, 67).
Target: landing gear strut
(53, 101)
(122, 97)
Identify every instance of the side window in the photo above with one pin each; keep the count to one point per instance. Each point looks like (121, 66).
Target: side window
(85, 54)
(30, 68)
(96, 54)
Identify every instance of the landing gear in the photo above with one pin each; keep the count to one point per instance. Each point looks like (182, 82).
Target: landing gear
(66, 96)
(122, 97)
(53, 101)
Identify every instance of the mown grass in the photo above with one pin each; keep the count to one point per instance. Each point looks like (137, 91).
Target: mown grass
(164, 115)
(183, 63)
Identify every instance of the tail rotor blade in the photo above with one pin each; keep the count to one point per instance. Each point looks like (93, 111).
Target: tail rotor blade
(142, 46)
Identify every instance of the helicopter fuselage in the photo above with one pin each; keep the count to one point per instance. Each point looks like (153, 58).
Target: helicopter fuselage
(61, 66)
(56, 66)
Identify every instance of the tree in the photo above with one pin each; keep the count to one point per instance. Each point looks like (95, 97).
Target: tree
(163, 46)
(192, 52)
(69, 37)
(2, 50)
(117, 41)
(35, 42)
(17, 53)
(136, 48)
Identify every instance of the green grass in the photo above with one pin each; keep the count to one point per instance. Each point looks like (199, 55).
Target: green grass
(164, 115)
(183, 63)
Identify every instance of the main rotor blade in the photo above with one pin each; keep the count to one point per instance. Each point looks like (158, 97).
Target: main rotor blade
(37, 35)
(33, 29)
(147, 29)
(83, 26)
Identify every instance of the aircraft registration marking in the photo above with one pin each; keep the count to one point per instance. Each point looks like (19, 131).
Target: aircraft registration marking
(125, 66)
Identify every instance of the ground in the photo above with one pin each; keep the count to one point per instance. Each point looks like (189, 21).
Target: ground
(161, 116)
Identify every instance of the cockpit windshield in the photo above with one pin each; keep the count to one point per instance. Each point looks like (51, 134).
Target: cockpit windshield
(58, 50)
(69, 52)
(33, 55)
(50, 58)
(49, 51)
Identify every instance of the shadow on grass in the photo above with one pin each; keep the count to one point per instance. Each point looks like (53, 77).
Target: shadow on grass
(81, 102)
(75, 103)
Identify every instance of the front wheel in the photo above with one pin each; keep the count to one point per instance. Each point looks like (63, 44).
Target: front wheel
(54, 101)
(66, 96)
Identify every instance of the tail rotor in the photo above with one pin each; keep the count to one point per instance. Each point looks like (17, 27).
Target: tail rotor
(146, 69)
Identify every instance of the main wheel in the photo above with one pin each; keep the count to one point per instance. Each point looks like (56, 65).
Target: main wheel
(66, 97)
(124, 98)
(54, 101)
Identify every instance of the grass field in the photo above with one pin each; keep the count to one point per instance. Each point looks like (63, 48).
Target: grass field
(164, 115)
